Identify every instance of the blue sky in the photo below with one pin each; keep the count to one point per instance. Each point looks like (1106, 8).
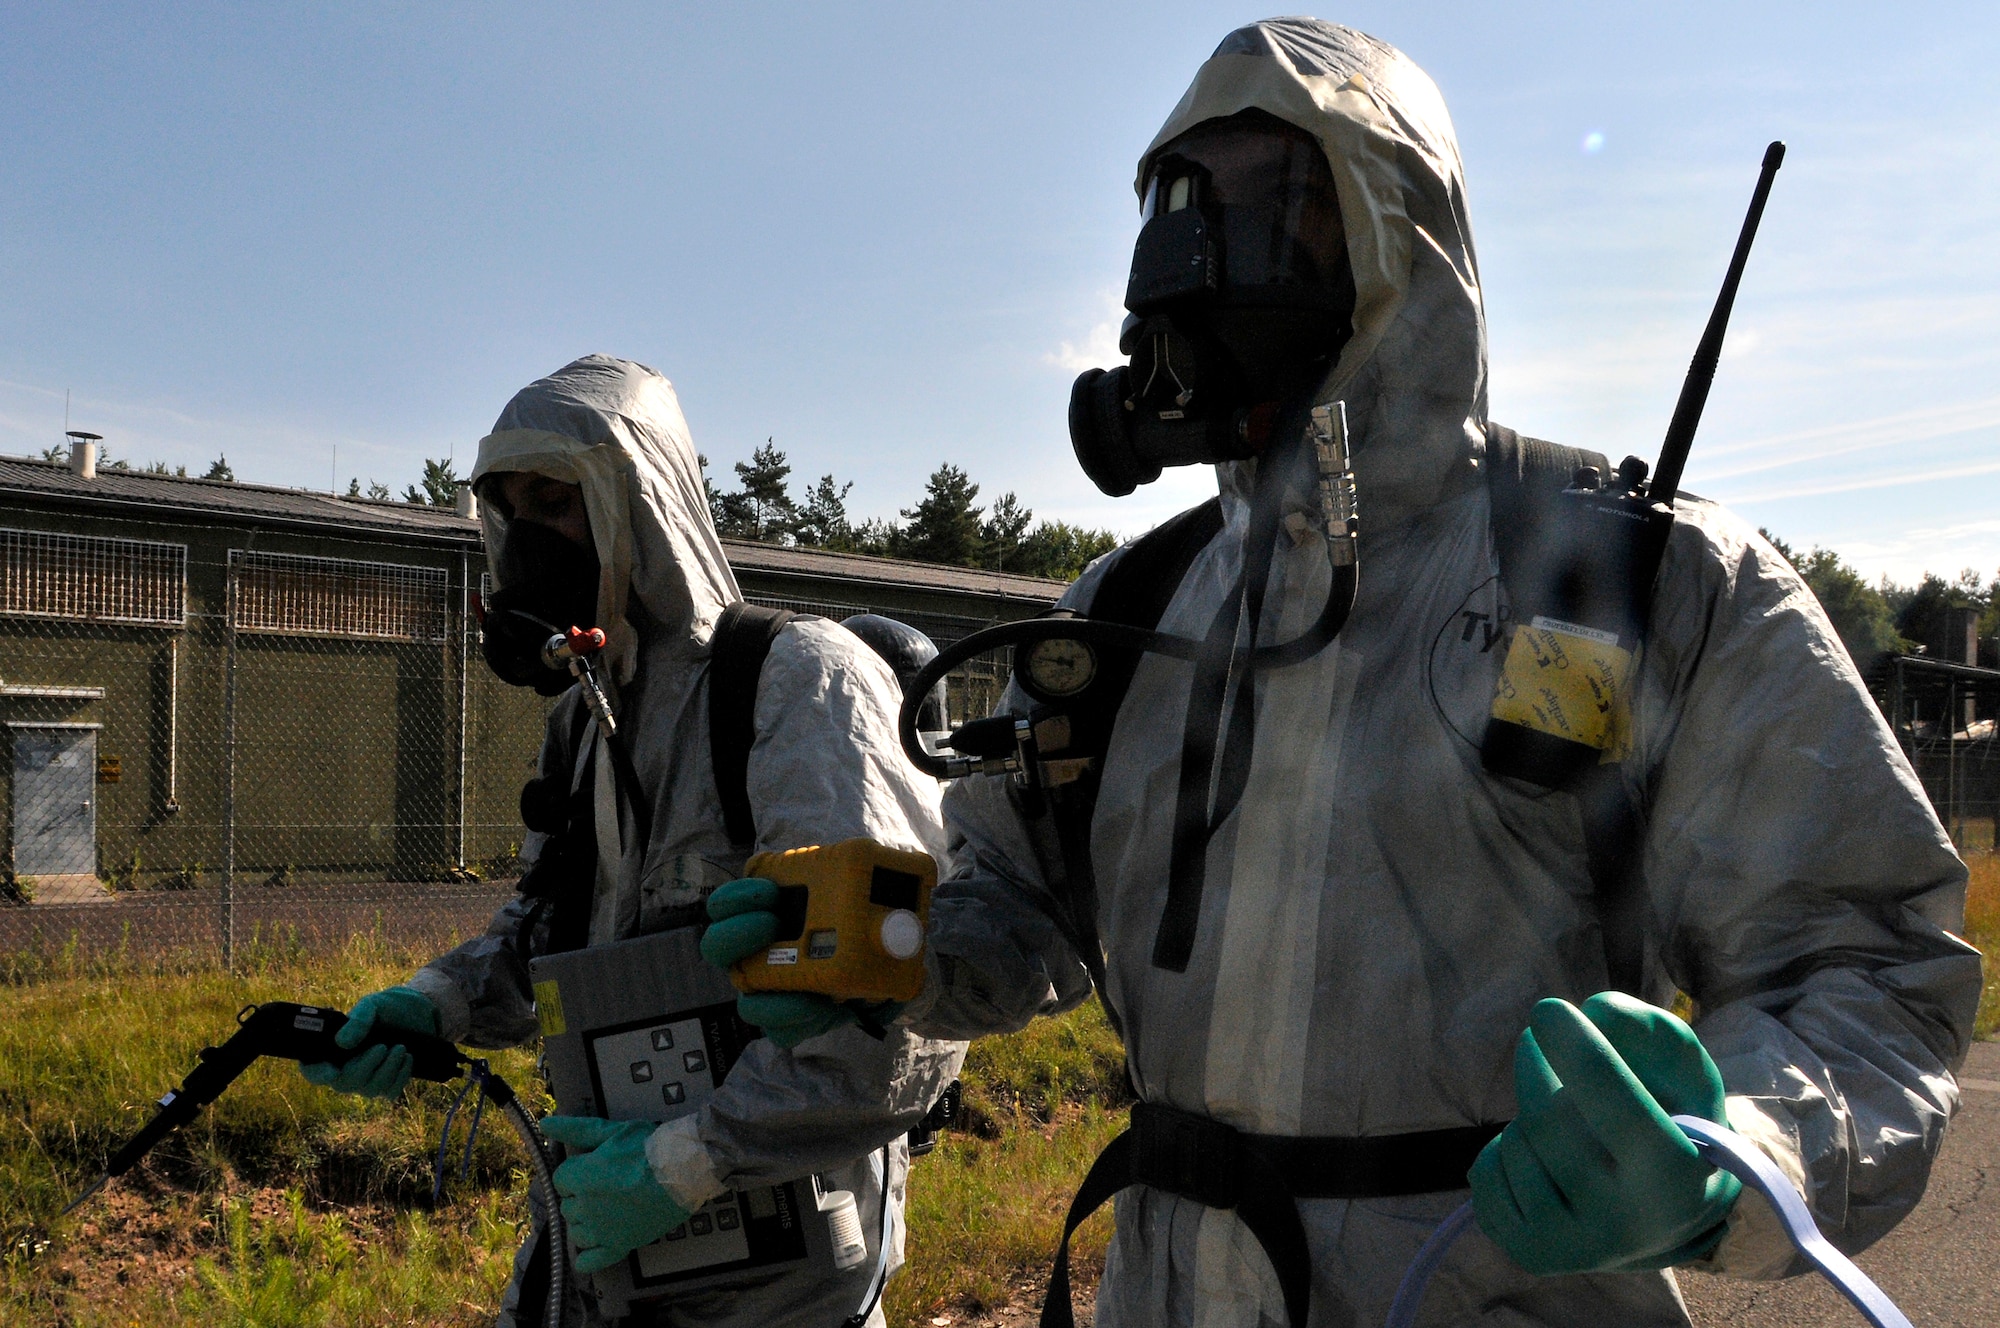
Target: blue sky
(888, 235)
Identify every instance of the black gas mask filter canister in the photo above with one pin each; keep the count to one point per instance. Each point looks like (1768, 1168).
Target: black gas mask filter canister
(548, 583)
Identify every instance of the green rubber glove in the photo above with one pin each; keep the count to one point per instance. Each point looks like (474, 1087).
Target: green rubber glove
(740, 924)
(380, 1071)
(611, 1199)
(1591, 1176)
(741, 920)
(790, 1017)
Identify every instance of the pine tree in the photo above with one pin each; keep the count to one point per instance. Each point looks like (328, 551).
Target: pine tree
(440, 485)
(945, 526)
(1859, 612)
(822, 520)
(708, 487)
(220, 470)
(761, 509)
(1059, 550)
(1923, 613)
(1000, 533)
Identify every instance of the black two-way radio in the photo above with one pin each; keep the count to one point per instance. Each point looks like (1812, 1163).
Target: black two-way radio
(1581, 597)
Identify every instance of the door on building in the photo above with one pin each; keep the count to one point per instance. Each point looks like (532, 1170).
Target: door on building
(55, 812)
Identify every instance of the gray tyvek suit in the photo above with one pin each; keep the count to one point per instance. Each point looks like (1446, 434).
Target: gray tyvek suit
(825, 766)
(1380, 915)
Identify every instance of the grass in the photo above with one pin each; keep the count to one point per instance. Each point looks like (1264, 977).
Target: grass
(281, 1205)
(986, 1208)
(1982, 928)
(287, 1206)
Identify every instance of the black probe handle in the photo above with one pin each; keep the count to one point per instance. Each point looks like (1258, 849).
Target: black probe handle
(303, 1033)
(308, 1031)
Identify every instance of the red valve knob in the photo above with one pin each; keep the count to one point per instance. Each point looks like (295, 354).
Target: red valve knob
(585, 641)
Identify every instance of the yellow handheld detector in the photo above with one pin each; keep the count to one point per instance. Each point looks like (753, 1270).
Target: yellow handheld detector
(852, 918)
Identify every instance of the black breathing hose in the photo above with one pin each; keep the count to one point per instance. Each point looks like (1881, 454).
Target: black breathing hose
(1342, 585)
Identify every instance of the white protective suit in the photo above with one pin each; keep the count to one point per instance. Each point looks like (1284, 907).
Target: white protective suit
(1380, 915)
(825, 766)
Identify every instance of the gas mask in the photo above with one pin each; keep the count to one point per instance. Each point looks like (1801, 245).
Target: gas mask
(1240, 297)
(548, 584)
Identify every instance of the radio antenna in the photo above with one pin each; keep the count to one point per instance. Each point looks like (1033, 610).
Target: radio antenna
(1701, 373)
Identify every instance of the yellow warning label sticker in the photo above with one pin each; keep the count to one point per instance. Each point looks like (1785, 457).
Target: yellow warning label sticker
(548, 1008)
(1567, 681)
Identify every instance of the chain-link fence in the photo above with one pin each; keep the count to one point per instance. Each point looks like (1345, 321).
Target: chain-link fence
(1943, 714)
(219, 748)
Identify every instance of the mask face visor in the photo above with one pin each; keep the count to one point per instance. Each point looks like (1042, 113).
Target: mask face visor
(1266, 195)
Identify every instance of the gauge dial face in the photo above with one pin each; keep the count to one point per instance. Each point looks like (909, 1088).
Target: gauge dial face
(1060, 667)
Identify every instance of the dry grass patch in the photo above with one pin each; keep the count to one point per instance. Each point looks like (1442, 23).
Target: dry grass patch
(1982, 928)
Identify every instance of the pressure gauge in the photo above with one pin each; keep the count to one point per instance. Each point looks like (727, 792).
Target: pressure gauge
(1058, 667)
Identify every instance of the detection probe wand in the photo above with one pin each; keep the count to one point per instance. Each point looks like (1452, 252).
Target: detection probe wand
(306, 1034)
(303, 1033)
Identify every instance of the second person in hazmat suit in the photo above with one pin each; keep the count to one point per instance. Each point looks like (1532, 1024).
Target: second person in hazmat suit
(1320, 923)
(595, 512)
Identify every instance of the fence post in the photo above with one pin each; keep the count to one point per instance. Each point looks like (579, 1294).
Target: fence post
(1951, 825)
(229, 776)
(463, 662)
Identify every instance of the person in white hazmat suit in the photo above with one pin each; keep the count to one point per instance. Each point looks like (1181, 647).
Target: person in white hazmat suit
(592, 495)
(1376, 919)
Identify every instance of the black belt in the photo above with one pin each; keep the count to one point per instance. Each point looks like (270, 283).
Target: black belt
(1260, 1176)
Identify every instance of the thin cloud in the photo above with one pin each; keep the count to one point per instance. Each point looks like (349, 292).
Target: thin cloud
(1822, 444)
(1867, 482)
(1099, 349)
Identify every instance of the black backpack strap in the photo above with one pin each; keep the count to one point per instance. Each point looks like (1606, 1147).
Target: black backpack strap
(736, 654)
(1523, 475)
(1135, 590)
(1141, 581)
(563, 880)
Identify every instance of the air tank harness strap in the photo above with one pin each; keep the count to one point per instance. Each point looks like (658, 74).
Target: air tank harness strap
(1261, 1177)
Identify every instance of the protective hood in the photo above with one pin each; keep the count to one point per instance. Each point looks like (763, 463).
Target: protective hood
(615, 429)
(1414, 374)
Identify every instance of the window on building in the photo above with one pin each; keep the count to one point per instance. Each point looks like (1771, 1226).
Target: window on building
(93, 578)
(300, 596)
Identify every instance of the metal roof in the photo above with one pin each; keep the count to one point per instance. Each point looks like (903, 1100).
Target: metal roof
(185, 499)
(866, 569)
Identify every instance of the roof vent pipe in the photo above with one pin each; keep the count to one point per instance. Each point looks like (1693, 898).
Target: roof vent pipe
(83, 452)
(466, 502)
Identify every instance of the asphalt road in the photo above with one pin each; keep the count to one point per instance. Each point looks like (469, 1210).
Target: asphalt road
(1942, 1265)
